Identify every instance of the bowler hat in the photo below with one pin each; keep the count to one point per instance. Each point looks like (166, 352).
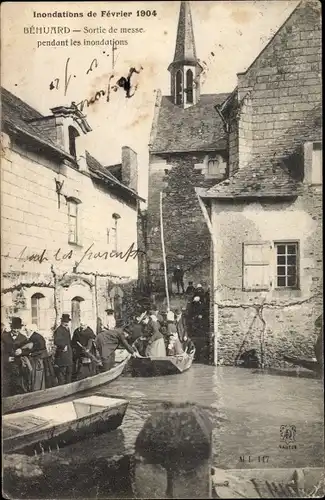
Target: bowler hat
(65, 318)
(16, 323)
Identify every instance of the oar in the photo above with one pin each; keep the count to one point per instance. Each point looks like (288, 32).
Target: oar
(91, 356)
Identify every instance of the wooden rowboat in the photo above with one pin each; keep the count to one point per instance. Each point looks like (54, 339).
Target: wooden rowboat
(169, 365)
(38, 398)
(268, 483)
(49, 427)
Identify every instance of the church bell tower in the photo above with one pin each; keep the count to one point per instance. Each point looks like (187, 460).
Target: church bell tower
(185, 69)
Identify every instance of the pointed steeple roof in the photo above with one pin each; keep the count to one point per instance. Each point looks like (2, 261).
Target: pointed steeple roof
(185, 51)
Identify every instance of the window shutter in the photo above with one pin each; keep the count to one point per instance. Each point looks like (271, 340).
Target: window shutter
(256, 266)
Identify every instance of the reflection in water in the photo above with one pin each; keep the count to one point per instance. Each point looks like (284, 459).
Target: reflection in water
(246, 409)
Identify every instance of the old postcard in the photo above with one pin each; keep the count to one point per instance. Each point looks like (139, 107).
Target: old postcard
(161, 241)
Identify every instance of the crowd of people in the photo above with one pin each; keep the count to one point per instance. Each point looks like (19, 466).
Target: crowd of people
(28, 366)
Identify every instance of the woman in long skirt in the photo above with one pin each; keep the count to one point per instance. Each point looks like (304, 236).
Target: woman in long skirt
(38, 372)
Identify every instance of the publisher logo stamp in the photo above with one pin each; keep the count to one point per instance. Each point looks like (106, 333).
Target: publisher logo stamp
(288, 437)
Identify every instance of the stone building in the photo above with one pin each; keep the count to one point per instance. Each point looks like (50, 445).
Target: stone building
(266, 217)
(188, 147)
(69, 225)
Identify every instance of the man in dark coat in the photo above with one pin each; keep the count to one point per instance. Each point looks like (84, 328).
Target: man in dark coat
(107, 341)
(179, 278)
(190, 289)
(11, 362)
(84, 352)
(63, 359)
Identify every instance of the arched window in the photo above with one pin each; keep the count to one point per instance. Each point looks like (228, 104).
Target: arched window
(76, 312)
(36, 308)
(179, 87)
(189, 86)
(73, 134)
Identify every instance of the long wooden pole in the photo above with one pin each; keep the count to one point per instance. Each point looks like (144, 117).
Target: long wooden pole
(163, 250)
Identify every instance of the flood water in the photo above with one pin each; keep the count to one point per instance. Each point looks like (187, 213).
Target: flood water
(246, 410)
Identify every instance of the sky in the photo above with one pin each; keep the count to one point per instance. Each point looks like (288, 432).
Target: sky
(235, 31)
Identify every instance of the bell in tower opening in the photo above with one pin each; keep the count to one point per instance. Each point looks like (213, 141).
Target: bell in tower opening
(185, 69)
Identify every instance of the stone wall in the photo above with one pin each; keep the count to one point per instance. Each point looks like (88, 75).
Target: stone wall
(186, 236)
(284, 83)
(274, 321)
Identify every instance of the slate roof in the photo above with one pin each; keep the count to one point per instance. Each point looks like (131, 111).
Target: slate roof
(16, 116)
(185, 44)
(277, 173)
(98, 171)
(197, 128)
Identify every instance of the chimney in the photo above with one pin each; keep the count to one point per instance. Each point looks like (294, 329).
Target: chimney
(130, 168)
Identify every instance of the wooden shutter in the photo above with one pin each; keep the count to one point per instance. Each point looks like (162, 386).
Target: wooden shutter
(256, 266)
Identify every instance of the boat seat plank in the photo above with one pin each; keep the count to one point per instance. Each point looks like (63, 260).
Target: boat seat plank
(22, 423)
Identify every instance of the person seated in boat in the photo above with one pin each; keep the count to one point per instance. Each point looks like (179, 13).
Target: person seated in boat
(188, 345)
(134, 329)
(155, 347)
(11, 341)
(84, 352)
(174, 346)
(42, 374)
(141, 342)
(157, 316)
(107, 341)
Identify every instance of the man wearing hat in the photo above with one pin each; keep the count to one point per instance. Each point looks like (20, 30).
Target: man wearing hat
(63, 360)
(11, 363)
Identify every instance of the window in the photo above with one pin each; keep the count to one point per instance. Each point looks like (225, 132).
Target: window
(76, 312)
(189, 86)
(36, 307)
(287, 265)
(112, 236)
(73, 221)
(268, 265)
(73, 134)
(316, 167)
(178, 87)
(256, 272)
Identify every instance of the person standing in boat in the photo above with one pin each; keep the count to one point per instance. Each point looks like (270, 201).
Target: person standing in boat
(107, 341)
(84, 352)
(63, 359)
(158, 317)
(174, 346)
(156, 344)
(180, 324)
(11, 363)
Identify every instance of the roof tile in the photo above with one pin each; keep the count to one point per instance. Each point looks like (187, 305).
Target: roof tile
(197, 128)
(273, 174)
